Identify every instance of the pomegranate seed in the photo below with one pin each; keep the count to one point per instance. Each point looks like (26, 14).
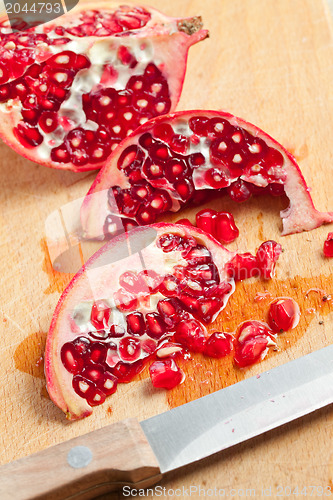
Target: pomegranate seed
(171, 311)
(125, 372)
(218, 345)
(239, 191)
(165, 374)
(129, 349)
(125, 301)
(184, 222)
(136, 323)
(150, 279)
(206, 220)
(226, 230)
(267, 256)
(109, 383)
(100, 314)
(163, 131)
(203, 272)
(199, 125)
(117, 331)
(208, 309)
(198, 255)
(98, 352)
(191, 335)
(191, 304)
(284, 314)
(29, 136)
(83, 387)
(169, 286)
(168, 242)
(168, 350)
(184, 188)
(93, 372)
(179, 143)
(254, 337)
(71, 359)
(242, 266)
(95, 397)
(156, 326)
(217, 178)
(328, 246)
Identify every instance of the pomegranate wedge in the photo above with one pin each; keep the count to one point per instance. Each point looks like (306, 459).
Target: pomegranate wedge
(165, 163)
(156, 287)
(73, 88)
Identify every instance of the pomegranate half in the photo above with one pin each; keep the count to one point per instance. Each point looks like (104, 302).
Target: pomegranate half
(73, 88)
(152, 289)
(172, 160)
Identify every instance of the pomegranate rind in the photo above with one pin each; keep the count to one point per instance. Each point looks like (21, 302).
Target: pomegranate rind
(169, 39)
(301, 215)
(82, 289)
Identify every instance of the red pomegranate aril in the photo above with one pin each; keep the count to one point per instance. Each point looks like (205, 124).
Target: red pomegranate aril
(95, 397)
(250, 352)
(156, 326)
(283, 315)
(150, 279)
(203, 272)
(190, 303)
(217, 178)
(199, 125)
(243, 266)
(175, 169)
(129, 348)
(163, 131)
(125, 372)
(208, 309)
(136, 323)
(239, 191)
(198, 255)
(93, 372)
(184, 222)
(226, 230)
(328, 246)
(171, 311)
(159, 152)
(48, 121)
(109, 384)
(145, 215)
(190, 334)
(100, 314)
(98, 352)
(165, 374)
(125, 301)
(218, 345)
(179, 143)
(160, 201)
(253, 338)
(267, 256)
(83, 387)
(71, 359)
(29, 136)
(169, 287)
(168, 242)
(206, 220)
(196, 159)
(184, 188)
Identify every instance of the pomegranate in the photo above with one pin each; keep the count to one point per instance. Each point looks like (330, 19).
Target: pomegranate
(73, 88)
(253, 340)
(218, 345)
(328, 245)
(267, 256)
(149, 292)
(221, 225)
(167, 161)
(283, 315)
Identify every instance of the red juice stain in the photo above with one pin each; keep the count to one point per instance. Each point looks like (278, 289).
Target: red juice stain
(29, 355)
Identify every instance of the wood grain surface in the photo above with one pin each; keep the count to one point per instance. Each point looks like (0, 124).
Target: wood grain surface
(270, 62)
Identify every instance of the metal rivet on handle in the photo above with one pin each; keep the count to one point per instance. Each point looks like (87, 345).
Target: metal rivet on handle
(79, 456)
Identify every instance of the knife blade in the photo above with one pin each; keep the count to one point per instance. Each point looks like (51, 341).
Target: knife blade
(138, 454)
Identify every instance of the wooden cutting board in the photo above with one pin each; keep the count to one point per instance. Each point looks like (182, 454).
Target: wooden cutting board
(270, 62)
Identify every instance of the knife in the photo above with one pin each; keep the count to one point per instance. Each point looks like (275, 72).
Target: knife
(138, 454)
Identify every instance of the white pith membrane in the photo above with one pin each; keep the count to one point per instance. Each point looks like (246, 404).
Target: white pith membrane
(99, 280)
(246, 143)
(113, 58)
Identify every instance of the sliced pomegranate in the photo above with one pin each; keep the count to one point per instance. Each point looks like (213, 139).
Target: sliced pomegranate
(235, 158)
(284, 314)
(165, 374)
(73, 88)
(137, 315)
(253, 340)
(328, 245)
